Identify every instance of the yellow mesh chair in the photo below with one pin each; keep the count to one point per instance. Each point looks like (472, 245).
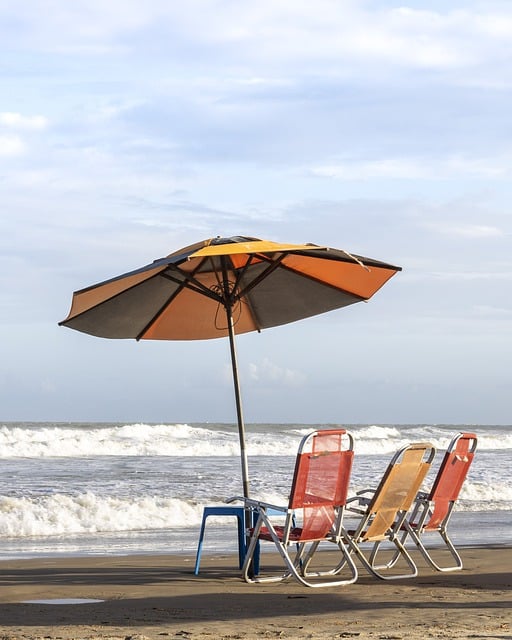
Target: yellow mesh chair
(382, 515)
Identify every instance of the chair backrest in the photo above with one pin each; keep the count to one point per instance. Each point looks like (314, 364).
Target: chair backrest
(398, 488)
(450, 477)
(321, 478)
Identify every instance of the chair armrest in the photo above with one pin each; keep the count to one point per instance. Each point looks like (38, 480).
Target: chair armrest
(360, 501)
(260, 505)
(360, 505)
(363, 491)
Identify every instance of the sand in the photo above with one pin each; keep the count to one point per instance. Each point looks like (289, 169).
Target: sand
(158, 597)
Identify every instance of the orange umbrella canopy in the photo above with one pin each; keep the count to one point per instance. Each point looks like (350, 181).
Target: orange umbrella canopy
(265, 284)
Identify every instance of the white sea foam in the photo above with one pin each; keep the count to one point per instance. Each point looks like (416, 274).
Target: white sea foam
(88, 513)
(188, 440)
(375, 439)
(127, 440)
(61, 514)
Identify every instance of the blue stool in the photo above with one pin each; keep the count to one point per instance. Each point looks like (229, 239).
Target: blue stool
(239, 513)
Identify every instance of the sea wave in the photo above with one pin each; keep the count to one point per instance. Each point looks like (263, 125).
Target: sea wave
(125, 440)
(60, 514)
(89, 513)
(140, 439)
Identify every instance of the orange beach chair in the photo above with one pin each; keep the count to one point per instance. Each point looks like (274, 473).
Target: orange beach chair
(317, 502)
(432, 511)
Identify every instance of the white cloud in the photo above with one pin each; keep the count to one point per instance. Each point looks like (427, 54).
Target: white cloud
(460, 276)
(267, 371)
(364, 170)
(11, 145)
(417, 168)
(487, 311)
(476, 231)
(466, 230)
(496, 167)
(338, 32)
(18, 121)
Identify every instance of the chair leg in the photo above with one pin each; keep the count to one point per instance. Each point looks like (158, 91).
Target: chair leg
(391, 563)
(427, 555)
(296, 565)
(345, 562)
(376, 570)
(241, 540)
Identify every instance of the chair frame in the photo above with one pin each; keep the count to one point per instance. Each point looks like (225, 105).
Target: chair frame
(384, 513)
(289, 536)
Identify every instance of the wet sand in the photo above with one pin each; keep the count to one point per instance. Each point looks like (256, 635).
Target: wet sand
(159, 596)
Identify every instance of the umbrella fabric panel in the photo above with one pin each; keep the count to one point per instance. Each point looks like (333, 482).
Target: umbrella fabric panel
(352, 277)
(193, 316)
(91, 296)
(246, 246)
(126, 315)
(284, 296)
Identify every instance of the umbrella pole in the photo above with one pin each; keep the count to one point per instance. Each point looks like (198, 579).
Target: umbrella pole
(238, 400)
(241, 428)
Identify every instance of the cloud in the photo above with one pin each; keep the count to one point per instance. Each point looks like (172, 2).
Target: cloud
(344, 35)
(268, 373)
(364, 170)
(469, 276)
(19, 121)
(413, 168)
(468, 230)
(11, 145)
(488, 311)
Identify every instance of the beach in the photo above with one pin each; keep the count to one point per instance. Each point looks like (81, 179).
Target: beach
(158, 596)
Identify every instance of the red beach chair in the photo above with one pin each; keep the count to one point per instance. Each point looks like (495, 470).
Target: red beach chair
(432, 511)
(317, 501)
(384, 513)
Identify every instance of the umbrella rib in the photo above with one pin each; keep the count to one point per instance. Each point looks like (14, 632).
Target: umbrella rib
(241, 295)
(241, 272)
(191, 283)
(273, 265)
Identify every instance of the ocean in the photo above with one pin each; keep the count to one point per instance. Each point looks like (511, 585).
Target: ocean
(113, 488)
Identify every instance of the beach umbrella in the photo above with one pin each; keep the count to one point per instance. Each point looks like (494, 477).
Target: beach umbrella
(225, 286)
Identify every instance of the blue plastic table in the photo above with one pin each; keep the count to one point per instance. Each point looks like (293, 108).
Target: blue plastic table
(239, 513)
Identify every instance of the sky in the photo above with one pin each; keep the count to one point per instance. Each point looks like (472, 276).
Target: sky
(129, 129)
